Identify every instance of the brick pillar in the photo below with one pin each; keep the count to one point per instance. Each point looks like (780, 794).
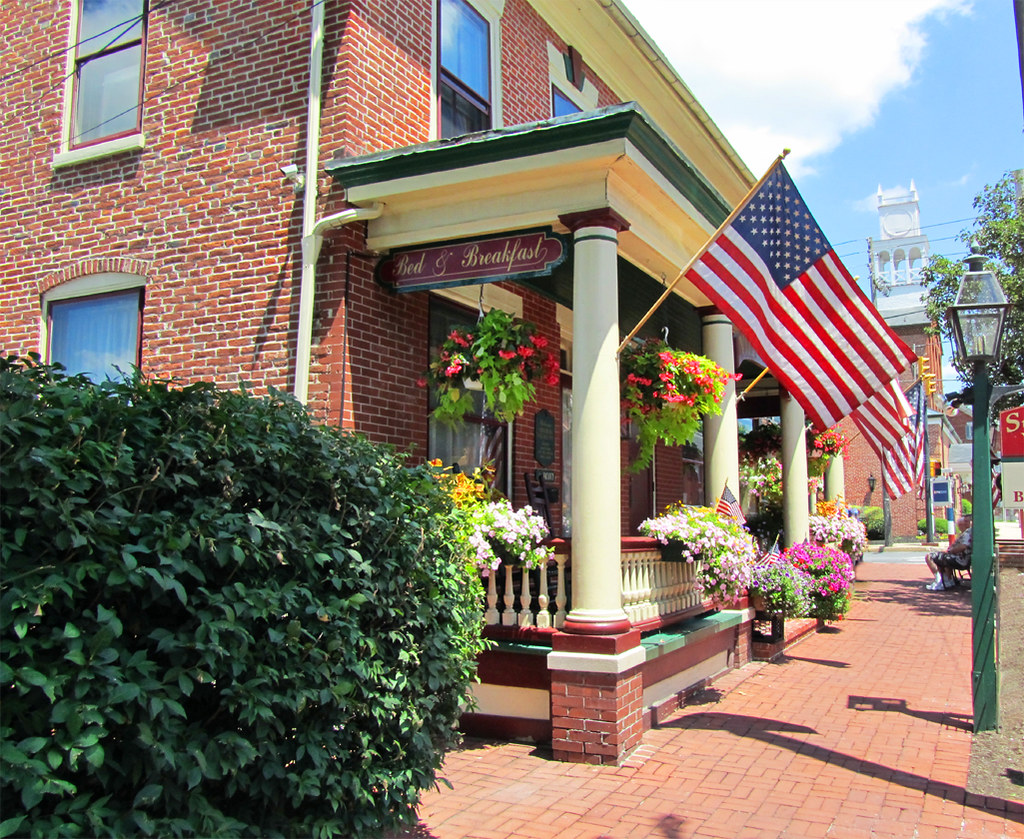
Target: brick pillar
(597, 697)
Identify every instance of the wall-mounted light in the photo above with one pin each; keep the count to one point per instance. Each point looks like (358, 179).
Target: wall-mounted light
(871, 483)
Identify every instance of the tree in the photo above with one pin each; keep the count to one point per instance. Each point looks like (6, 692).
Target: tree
(999, 234)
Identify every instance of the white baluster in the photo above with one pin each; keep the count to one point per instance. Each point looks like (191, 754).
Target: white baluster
(560, 595)
(525, 600)
(491, 615)
(647, 562)
(543, 615)
(508, 617)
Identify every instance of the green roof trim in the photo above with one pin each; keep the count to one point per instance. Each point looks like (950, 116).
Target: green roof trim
(626, 121)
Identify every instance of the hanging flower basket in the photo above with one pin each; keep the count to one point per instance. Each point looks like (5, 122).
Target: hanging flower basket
(830, 443)
(667, 392)
(503, 354)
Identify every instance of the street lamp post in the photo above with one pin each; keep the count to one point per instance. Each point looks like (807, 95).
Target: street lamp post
(977, 324)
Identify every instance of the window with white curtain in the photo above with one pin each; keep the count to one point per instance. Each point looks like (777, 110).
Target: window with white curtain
(95, 331)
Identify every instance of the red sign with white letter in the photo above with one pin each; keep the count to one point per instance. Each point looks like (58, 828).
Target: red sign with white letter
(1011, 432)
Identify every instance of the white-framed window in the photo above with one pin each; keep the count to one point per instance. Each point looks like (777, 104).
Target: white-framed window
(93, 324)
(467, 74)
(105, 79)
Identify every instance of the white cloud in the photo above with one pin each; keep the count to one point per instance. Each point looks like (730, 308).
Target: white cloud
(800, 74)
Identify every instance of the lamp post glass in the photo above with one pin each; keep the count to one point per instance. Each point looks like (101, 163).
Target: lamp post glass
(977, 322)
(978, 314)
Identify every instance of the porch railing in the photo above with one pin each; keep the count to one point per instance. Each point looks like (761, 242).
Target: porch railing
(652, 589)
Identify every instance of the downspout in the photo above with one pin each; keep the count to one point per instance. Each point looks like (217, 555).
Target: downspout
(312, 230)
(307, 288)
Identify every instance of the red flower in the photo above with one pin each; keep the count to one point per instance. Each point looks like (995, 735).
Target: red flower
(526, 352)
(507, 354)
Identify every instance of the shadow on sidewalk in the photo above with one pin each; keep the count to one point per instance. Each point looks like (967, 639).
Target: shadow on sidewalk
(768, 731)
(965, 722)
(913, 595)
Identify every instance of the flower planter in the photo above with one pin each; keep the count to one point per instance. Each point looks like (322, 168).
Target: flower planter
(673, 552)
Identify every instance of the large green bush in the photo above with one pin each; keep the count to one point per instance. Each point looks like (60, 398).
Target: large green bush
(218, 618)
(874, 522)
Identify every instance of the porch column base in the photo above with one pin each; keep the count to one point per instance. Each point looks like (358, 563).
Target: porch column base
(597, 695)
(590, 622)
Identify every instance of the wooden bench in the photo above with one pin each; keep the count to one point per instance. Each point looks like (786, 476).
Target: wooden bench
(1010, 553)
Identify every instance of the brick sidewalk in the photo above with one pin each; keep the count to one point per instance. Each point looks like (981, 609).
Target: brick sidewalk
(863, 730)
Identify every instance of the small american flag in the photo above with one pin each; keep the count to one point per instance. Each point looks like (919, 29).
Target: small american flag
(771, 557)
(728, 506)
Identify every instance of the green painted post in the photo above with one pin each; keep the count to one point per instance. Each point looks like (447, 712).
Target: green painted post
(984, 679)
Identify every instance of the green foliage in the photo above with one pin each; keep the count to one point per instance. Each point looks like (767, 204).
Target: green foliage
(999, 234)
(966, 506)
(874, 522)
(218, 618)
(941, 526)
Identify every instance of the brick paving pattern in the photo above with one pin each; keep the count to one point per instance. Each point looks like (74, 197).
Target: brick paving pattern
(862, 730)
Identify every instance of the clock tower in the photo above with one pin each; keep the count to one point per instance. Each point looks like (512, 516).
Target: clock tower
(899, 254)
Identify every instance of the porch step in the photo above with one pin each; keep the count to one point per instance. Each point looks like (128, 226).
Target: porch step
(690, 632)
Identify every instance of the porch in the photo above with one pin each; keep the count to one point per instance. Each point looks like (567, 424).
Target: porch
(675, 644)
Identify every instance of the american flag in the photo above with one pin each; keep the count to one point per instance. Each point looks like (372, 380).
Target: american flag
(773, 273)
(728, 506)
(886, 418)
(903, 465)
(771, 557)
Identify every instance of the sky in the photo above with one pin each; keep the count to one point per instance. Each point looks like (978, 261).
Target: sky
(865, 93)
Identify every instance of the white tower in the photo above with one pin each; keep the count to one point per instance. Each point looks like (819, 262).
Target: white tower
(899, 255)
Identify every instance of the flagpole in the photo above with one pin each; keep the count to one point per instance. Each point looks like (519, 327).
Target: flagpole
(701, 251)
(761, 375)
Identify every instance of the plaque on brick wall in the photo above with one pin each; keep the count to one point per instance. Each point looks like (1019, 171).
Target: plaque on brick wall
(544, 438)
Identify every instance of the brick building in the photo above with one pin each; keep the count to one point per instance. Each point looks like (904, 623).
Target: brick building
(212, 193)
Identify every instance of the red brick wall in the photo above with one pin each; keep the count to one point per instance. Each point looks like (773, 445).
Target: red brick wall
(202, 212)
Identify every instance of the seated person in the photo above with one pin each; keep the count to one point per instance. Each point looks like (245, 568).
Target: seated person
(942, 563)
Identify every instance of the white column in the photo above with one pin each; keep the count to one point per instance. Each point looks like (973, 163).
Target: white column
(596, 472)
(795, 525)
(721, 432)
(835, 479)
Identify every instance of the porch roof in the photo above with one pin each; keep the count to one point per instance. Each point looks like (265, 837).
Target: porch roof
(528, 175)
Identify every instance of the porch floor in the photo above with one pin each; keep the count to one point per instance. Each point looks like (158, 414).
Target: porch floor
(861, 730)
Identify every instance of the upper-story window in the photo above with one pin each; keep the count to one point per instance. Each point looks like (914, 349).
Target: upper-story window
(562, 105)
(464, 73)
(108, 77)
(93, 324)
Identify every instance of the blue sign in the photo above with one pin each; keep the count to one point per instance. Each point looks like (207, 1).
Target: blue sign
(940, 491)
